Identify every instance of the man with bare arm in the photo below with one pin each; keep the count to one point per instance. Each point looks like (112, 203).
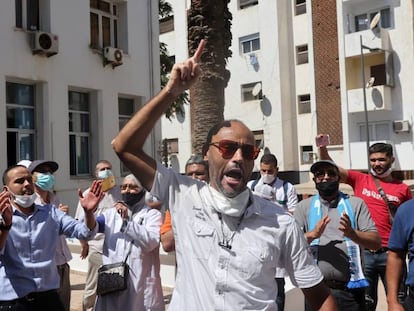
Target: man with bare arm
(229, 242)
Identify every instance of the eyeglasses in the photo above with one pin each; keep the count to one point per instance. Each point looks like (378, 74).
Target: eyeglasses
(228, 148)
(130, 186)
(330, 173)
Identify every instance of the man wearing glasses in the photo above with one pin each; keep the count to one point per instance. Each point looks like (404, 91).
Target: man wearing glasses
(92, 249)
(229, 242)
(382, 193)
(335, 226)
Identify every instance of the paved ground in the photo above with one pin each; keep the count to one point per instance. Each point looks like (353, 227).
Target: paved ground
(77, 280)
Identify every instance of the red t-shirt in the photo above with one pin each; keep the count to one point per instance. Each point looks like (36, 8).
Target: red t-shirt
(364, 187)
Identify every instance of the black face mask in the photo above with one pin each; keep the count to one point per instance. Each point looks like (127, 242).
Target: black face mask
(327, 188)
(132, 198)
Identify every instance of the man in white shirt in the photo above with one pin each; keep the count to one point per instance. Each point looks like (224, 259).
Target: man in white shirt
(271, 187)
(93, 248)
(228, 242)
(278, 191)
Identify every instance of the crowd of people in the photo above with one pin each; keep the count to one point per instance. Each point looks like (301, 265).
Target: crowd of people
(235, 238)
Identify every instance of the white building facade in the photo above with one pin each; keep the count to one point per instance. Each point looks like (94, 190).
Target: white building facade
(73, 72)
(276, 89)
(387, 51)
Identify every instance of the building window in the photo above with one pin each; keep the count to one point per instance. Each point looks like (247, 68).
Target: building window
(363, 21)
(31, 15)
(307, 154)
(251, 91)
(377, 131)
(250, 43)
(168, 149)
(103, 24)
(126, 109)
(166, 24)
(259, 138)
(20, 110)
(246, 3)
(300, 7)
(379, 74)
(79, 133)
(304, 103)
(302, 54)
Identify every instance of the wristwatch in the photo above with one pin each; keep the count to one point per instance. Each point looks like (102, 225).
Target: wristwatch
(3, 227)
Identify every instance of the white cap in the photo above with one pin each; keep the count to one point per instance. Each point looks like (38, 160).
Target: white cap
(25, 163)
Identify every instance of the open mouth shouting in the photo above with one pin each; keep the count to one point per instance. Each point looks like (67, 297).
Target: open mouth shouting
(233, 180)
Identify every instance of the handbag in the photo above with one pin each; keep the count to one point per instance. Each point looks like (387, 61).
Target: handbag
(113, 277)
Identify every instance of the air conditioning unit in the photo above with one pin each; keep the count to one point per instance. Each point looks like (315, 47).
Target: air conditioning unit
(113, 56)
(400, 126)
(44, 43)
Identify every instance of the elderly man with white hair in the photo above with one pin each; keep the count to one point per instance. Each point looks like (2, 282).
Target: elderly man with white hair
(132, 231)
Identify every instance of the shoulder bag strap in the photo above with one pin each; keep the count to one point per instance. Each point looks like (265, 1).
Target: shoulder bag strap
(254, 184)
(391, 209)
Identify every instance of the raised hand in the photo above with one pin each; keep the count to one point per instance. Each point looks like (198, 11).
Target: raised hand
(345, 226)
(184, 75)
(6, 210)
(92, 198)
(64, 208)
(321, 225)
(122, 209)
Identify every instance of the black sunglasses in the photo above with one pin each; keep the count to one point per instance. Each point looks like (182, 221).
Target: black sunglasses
(321, 174)
(228, 148)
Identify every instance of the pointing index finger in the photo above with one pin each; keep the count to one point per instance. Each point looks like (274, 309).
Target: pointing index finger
(197, 55)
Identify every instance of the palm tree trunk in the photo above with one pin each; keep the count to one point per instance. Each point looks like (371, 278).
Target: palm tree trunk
(209, 20)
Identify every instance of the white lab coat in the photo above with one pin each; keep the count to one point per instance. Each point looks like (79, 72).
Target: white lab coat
(144, 290)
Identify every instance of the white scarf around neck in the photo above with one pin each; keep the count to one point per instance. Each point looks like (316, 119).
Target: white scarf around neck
(230, 206)
(383, 175)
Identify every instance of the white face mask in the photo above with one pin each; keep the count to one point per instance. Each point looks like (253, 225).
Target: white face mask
(268, 179)
(383, 175)
(25, 200)
(230, 206)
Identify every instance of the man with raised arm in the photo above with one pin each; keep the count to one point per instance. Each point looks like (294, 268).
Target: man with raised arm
(382, 194)
(28, 236)
(229, 242)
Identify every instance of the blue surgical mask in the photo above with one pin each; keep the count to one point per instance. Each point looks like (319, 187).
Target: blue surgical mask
(45, 181)
(105, 174)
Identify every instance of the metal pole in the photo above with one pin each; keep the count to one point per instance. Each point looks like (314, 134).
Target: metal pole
(365, 98)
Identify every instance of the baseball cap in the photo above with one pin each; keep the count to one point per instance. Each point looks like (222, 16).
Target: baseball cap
(315, 166)
(25, 163)
(52, 164)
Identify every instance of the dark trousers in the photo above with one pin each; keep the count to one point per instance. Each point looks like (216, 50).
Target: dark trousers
(409, 302)
(40, 301)
(375, 265)
(347, 299)
(280, 299)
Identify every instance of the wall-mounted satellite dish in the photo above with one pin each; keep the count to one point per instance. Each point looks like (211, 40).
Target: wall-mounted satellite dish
(256, 89)
(375, 20)
(370, 82)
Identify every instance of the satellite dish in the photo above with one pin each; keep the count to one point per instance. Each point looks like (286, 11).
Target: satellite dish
(375, 20)
(256, 89)
(370, 82)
